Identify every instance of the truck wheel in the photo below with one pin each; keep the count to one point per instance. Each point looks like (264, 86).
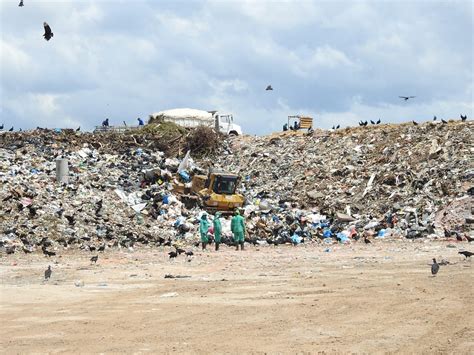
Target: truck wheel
(233, 133)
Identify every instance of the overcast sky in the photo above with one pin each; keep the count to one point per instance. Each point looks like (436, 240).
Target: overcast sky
(338, 61)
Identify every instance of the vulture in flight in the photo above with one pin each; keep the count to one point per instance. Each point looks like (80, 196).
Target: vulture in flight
(269, 87)
(406, 97)
(47, 32)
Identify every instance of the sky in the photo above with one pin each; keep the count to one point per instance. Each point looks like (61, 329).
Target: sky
(336, 61)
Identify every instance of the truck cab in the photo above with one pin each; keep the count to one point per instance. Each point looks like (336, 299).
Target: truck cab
(224, 123)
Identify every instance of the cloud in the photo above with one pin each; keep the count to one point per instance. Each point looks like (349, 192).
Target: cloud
(337, 61)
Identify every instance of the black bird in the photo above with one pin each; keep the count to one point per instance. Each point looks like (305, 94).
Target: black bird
(78, 129)
(101, 248)
(47, 273)
(372, 122)
(180, 251)
(435, 118)
(173, 254)
(189, 253)
(379, 120)
(125, 123)
(21, 3)
(366, 241)
(469, 239)
(10, 130)
(444, 121)
(338, 126)
(3, 124)
(269, 87)
(47, 252)
(407, 97)
(94, 259)
(434, 267)
(458, 236)
(463, 118)
(333, 127)
(467, 254)
(415, 123)
(48, 34)
(361, 123)
(366, 123)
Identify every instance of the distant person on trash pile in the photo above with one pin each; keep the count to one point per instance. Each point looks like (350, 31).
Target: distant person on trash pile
(203, 230)
(237, 226)
(217, 229)
(140, 122)
(105, 123)
(296, 126)
(285, 127)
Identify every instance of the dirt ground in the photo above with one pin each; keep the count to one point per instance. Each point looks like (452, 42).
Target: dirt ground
(359, 298)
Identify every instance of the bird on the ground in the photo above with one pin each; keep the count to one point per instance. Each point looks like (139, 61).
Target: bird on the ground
(269, 87)
(78, 129)
(21, 3)
(11, 129)
(70, 219)
(10, 250)
(94, 259)
(469, 239)
(48, 272)
(435, 118)
(458, 236)
(101, 248)
(407, 97)
(379, 120)
(442, 120)
(467, 254)
(189, 253)
(173, 254)
(415, 123)
(434, 267)
(47, 252)
(180, 251)
(463, 118)
(48, 34)
(3, 124)
(366, 241)
(372, 122)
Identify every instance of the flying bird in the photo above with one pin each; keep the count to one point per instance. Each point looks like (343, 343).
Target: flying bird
(10, 130)
(444, 121)
(463, 118)
(338, 126)
(78, 129)
(21, 3)
(434, 267)
(94, 259)
(372, 122)
(47, 273)
(435, 118)
(378, 122)
(48, 34)
(467, 254)
(407, 97)
(125, 123)
(269, 87)
(415, 123)
(3, 124)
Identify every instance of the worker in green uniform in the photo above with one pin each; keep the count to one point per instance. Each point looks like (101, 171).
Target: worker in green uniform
(203, 229)
(217, 229)
(237, 226)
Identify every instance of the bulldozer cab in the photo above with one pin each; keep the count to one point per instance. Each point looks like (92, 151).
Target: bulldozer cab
(223, 184)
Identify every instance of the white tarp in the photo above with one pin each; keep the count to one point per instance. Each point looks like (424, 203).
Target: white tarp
(184, 113)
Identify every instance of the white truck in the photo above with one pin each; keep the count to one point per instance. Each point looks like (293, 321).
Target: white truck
(187, 117)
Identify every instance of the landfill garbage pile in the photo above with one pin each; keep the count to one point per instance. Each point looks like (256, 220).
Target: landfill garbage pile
(414, 181)
(328, 187)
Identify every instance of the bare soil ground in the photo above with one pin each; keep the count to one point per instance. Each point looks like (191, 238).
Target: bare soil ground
(361, 299)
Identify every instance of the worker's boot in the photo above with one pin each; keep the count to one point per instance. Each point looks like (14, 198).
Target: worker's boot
(237, 246)
(204, 246)
(241, 245)
(217, 246)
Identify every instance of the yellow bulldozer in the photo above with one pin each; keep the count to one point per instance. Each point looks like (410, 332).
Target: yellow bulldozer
(214, 192)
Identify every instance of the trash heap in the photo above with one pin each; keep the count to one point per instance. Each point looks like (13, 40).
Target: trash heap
(410, 181)
(327, 187)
